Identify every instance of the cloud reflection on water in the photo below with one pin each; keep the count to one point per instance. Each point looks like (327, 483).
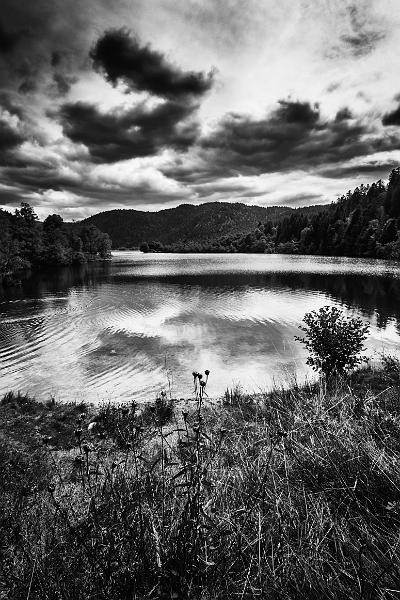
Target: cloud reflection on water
(109, 330)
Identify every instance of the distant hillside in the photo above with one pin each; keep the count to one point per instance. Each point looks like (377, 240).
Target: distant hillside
(209, 221)
(363, 223)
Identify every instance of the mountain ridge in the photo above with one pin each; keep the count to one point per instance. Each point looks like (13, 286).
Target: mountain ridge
(199, 222)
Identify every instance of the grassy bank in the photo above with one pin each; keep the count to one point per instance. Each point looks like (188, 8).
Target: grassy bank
(295, 494)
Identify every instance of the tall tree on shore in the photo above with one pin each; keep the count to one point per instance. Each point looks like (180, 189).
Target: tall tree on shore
(24, 242)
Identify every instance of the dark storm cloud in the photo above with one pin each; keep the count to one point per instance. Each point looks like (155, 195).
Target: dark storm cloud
(37, 177)
(372, 171)
(137, 132)
(56, 58)
(343, 114)
(392, 118)
(25, 178)
(9, 140)
(8, 39)
(44, 48)
(22, 182)
(36, 34)
(120, 56)
(63, 83)
(27, 87)
(249, 145)
(300, 113)
(11, 135)
(10, 197)
(293, 137)
(10, 102)
(47, 45)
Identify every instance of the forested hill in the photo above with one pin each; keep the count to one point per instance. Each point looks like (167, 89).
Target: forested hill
(186, 223)
(363, 223)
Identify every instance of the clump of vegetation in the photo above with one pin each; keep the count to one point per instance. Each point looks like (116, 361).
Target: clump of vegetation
(293, 494)
(27, 243)
(159, 412)
(391, 367)
(24, 419)
(333, 340)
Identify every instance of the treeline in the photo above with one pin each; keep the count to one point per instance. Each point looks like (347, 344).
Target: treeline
(197, 223)
(25, 242)
(363, 223)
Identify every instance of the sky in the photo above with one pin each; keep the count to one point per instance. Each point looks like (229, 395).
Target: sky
(149, 104)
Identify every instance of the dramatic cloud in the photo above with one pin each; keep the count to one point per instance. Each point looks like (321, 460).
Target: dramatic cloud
(343, 114)
(9, 139)
(8, 40)
(11, 135)
(29, 33)
(252, 141)
(294, 136)
(392, 118)
(111, 104)
(123, 59)
(140, 131)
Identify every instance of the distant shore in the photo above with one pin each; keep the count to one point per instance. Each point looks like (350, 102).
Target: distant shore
(15, 278)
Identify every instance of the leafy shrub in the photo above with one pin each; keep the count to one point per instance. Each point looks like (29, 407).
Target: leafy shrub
(333, 340)
(391, 368)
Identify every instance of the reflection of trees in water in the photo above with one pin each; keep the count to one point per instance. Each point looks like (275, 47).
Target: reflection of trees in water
(58, 280)
(370, 294)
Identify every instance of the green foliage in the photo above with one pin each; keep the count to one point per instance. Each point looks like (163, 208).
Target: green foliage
(333, 340)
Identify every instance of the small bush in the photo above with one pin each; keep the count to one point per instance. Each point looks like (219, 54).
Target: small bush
(391, 368)
(160, 412)
(333, 340)
(22, 401)
(117, 422)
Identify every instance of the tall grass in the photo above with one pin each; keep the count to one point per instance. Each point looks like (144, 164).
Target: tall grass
(292, 495)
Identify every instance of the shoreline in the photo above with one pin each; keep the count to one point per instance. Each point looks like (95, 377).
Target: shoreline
(278, 493)
(14, 279)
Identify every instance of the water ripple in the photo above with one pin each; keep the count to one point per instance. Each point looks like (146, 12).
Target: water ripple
(236, 315)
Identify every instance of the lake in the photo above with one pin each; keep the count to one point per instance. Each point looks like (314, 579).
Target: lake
(139, 323)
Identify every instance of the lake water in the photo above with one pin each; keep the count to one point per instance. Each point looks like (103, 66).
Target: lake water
(132, 326)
